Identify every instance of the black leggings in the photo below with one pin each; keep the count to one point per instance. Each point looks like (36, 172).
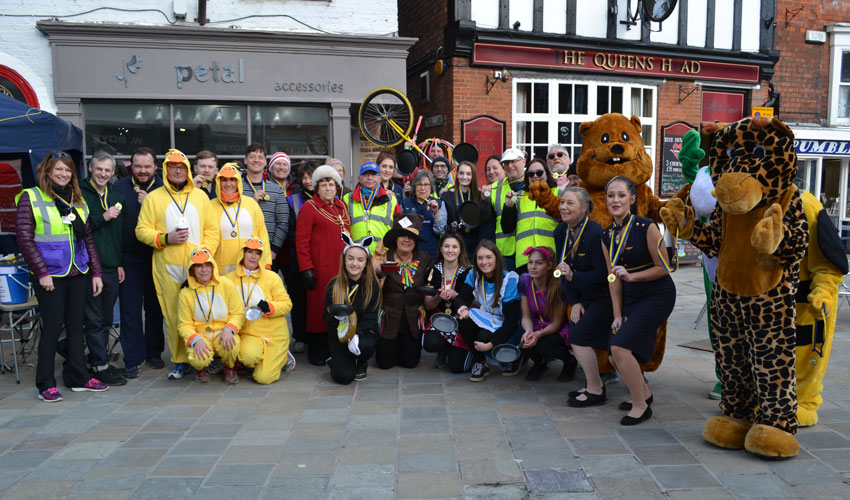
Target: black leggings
(63, 307)
(472, 333)
(549, 347)
(459, 360)
(405, 350)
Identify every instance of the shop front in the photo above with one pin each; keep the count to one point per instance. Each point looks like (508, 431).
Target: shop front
(196, 88)
(823, 168)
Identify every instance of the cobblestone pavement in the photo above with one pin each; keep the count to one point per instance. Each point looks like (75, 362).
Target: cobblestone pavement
(420, 433)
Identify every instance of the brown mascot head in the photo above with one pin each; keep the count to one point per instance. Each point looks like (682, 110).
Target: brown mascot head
(753, 162)
(612, 146)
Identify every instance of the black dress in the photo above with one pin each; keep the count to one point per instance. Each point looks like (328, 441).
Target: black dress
(646, 304)
(588, 286)
(471, 236)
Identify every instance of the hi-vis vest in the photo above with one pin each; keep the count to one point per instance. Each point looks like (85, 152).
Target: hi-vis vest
(377, 222)
(505, 242)
(533, 228)
(54, 239)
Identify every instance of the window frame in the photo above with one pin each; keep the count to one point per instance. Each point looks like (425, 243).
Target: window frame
(839, 45)
(553, 117)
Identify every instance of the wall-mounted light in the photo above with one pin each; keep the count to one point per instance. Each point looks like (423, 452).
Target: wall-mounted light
(498, 76)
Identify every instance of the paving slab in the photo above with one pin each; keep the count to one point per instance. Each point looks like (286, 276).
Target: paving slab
(178, 488)
(557, 481)
(489, 471)
(301, 487)
(673, 477)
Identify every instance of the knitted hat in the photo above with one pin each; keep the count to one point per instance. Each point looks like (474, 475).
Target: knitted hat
(325, 172)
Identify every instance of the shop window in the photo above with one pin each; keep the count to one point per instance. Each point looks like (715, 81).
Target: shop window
(567, 105)
(830, 192)
(120, 128)
(298, 130)
(806, 174)
(844, 87)
(221, 129)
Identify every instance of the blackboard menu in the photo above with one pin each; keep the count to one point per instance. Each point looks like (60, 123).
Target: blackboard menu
(671, 179)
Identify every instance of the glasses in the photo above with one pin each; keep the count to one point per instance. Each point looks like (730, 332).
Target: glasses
(536, 173)
(559, 154)
(177, 166)
(60, 154)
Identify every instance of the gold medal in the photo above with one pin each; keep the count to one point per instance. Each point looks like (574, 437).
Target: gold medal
(137, 189)
(208, 329)
(611, 278)
(266, 197)
(233, 234)
(448, 310)
(557, 273)
(119, 206)
(72, 217)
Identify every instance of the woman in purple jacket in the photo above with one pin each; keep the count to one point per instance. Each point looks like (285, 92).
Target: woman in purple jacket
(54, 235)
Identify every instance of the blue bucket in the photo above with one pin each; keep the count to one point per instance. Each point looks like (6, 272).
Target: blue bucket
(14, 284)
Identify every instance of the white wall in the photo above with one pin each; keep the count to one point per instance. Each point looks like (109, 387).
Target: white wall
(555, 16)
(697, 14)
(592, 18)
(623, 10)
(522, 11)
(750, 29)
(485, 13)
(26, 50)
(669, 28)
(724, 14)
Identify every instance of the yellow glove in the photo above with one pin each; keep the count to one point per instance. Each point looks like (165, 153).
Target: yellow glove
(818, 298)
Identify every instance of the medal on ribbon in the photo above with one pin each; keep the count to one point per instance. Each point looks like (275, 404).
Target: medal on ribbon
(620, 238)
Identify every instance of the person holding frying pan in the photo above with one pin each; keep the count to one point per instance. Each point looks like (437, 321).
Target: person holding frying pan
(465, 194)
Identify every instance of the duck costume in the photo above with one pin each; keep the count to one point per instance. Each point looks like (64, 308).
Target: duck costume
(759, 234)
(163, 210)
(265, 340)
(238, 217)
(206, 310)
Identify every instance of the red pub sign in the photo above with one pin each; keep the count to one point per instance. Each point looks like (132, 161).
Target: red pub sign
(612, 62)
(487, 134)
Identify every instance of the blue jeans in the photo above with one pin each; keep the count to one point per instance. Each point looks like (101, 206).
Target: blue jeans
(98, 318)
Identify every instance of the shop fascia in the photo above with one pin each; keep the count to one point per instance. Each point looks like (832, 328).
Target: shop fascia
(203, 72)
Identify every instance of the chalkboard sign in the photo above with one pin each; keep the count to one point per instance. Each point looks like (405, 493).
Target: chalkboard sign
(671, 179)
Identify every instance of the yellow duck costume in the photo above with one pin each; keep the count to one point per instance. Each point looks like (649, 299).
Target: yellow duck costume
(163, 209)
(821, 271)
(206, 310)
(238, 220)
(265, 341)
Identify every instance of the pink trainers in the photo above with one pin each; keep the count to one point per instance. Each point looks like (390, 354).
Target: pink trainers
(93, 385)
(51, 395)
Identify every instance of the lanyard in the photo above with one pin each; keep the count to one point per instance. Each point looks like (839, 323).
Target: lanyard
(206, 315)
(460, 193)
(484, 294)
(624, 237)
(262, 183)
(575, 243)
(250, 290)
(104, 201)
(675, 264)
(450, 283)
(185, 202)
(352, 291)
(235, 219)
(282, 186)
(70, 207)
(136, 186)
(367, 204)
(536, 305)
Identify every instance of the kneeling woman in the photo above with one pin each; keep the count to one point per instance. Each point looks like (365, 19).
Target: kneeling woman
(497, 316)
(210, 317)
(642, 293)
(582, 271)
(404, 268)
(450, 273)
(545, 329)
(357, 286)
(265, 339)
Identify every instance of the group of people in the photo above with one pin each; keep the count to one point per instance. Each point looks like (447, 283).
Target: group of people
(365, 269)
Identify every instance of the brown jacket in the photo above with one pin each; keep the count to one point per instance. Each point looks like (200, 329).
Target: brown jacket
(396, 298)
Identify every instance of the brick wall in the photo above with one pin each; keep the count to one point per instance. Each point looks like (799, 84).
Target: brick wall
(802, 75)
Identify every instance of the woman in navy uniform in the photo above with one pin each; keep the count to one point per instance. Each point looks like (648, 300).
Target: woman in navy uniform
(582, 271)
(642, 292)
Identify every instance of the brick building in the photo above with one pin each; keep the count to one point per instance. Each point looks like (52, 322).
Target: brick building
(813, 79)
(538, 68)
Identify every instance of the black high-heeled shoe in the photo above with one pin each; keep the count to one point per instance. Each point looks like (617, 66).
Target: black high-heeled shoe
(627, 420)
(626, 406)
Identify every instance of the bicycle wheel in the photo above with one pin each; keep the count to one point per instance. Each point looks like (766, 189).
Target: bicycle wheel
(380, 111)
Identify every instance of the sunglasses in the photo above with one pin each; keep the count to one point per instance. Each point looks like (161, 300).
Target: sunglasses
(60, 154)
(559, 154)
(536, 173)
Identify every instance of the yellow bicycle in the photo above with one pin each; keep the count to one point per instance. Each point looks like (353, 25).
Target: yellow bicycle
(386, 118)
